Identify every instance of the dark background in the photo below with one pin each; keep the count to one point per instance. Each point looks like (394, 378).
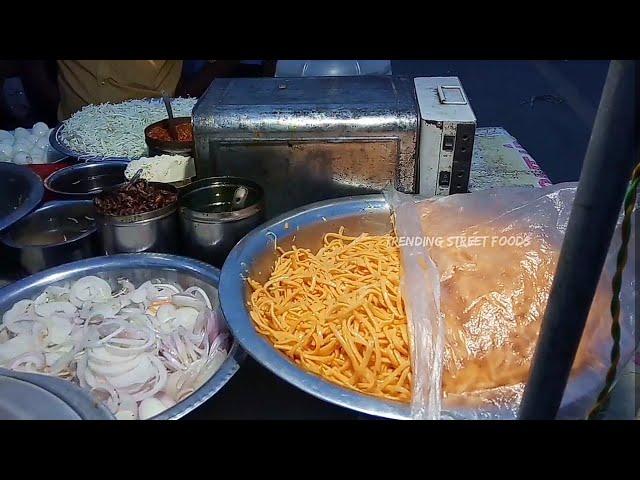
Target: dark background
(556, 135)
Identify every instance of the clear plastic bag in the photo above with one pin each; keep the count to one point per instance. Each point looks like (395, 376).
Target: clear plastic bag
(477, 271)
(420, 287)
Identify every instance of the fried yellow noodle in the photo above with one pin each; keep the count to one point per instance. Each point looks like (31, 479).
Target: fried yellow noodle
(338, 313)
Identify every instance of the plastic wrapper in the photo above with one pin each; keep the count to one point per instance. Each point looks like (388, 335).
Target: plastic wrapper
(477, 272)
(420, 288)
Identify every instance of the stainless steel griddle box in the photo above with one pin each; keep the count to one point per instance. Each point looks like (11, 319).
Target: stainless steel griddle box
(309, 139)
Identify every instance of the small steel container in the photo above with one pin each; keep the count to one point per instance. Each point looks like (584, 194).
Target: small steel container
(210, 226)
(161, 147)
(85, 180)
(57, 233)
(155, 231)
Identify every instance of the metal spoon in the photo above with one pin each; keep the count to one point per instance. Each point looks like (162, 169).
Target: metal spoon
(239, 198)
(172, 123)
(136, 176)
(131, 181)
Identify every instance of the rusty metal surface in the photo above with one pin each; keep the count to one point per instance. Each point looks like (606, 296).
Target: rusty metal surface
(309, 139)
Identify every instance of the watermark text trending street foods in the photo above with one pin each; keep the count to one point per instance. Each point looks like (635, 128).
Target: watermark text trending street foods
(464, 241)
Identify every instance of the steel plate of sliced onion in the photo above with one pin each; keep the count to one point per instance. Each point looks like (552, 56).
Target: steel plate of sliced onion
(140, 350)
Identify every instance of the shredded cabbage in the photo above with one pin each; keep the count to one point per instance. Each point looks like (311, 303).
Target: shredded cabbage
(117, 129)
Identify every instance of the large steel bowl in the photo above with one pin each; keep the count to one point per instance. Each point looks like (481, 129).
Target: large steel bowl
(138, 268)
(254, 257)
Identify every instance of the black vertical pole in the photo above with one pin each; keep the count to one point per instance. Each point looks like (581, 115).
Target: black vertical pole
(605, 175)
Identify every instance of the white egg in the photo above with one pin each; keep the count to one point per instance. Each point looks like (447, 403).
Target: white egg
(4, 158)
(21, 147)
(6, 136)
(40, 129)
(43, 143)
(21, 132)
(6, 149)
(22, 158)
(31, 139)
(37, 156)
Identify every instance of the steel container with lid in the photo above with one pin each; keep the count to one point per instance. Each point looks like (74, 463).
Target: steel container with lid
(154, 231)
(211, 224)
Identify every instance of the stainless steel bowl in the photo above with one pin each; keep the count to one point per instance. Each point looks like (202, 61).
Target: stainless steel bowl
(138, 268)
(168, 147)
(155, 231)
(56, 233)
(254, 257)
(20, 192)
(30, 396)
(21, 400)
(85, 180)
(210, 225)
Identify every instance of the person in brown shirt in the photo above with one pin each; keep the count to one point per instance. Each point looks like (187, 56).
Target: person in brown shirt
(83, 82)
